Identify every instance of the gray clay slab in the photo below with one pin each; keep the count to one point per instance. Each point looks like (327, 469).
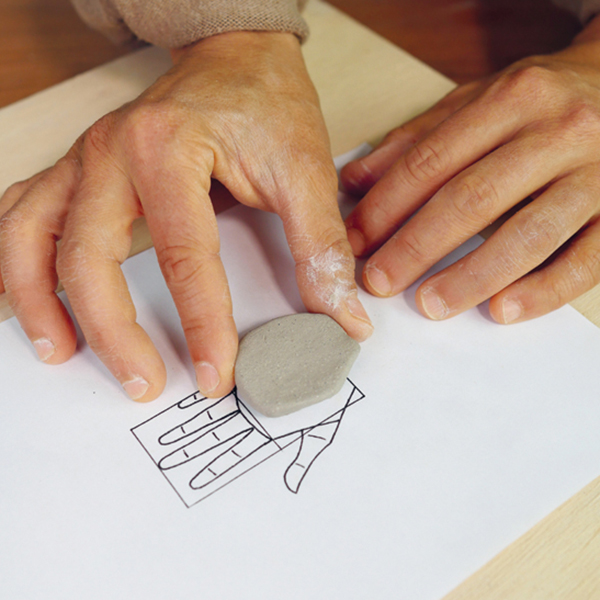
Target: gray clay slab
(292, 362)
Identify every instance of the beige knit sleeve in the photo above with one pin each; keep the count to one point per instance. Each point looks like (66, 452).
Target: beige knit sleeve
(176, 23)
(584, 9)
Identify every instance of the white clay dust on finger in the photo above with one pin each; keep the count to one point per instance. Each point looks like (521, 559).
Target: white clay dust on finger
(330, 277)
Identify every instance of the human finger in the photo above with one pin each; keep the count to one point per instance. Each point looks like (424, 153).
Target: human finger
(467, 204)
(10, 197)
(360, 175)
(219, 438)
(325, 266)
(96, 240)
(184, 231)
(312, 444)
(28, 234)
(574, 271)
(451, 147)
(212, 411)
(17, 189)
(221, 459)
(521, 244)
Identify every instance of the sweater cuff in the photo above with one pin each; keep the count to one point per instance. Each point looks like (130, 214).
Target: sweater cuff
(584, 9)
(177, 23)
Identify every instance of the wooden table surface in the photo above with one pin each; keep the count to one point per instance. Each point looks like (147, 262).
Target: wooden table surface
(42, 42)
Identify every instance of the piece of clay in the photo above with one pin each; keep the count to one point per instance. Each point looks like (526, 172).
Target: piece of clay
(292, 362)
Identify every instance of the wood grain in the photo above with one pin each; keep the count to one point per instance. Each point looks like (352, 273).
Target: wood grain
(43, 42)
(558, 559)
(466, 39)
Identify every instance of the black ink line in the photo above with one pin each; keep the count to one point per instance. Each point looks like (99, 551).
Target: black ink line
(239, 475)
(290, 438)
(160, 470)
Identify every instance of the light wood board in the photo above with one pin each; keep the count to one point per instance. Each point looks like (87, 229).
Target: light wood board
(367, 86)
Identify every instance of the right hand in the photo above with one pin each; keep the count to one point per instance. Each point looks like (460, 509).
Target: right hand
(238, 107)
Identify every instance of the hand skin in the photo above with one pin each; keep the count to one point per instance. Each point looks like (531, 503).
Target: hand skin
(237, 107)
(531, 131)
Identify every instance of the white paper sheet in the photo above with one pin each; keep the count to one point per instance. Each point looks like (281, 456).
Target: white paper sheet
(468, 433)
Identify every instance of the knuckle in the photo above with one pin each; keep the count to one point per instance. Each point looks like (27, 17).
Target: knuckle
(148, 126)
(581, 201)
(539, 234)
(327, 271)
(581, 121)
(382, 215)
(530, 79)
(557, 293)
(413, 246)
(474, 199)
(427, 161)
(584, 268)
(98, 136)
(101, 340)
(183, 265)
(155, 133)
(330, 240)
(15, 191)
(200, 325)
(400, 134)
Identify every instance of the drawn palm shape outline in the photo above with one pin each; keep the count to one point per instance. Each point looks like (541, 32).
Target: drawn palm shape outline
(221, 437)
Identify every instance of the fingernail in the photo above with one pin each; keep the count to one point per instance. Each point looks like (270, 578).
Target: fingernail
(207, 377)
(44, 347)
(136, 387)
(433, 305)
(378, 280)
(357, 241)
(511, 310)
(357, 310)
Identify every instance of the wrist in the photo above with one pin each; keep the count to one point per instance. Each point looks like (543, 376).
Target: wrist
(239, 45)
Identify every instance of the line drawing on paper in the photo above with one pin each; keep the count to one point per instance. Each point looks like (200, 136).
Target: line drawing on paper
(201, 444)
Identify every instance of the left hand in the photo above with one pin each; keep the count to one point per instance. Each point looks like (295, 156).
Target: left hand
(532, 131)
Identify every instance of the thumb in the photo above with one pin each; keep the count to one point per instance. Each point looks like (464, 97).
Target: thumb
(325, 265)
(313, 443)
